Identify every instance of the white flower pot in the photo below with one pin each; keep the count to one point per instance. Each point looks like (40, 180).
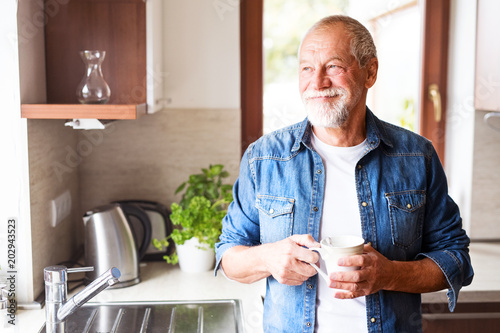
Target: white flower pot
(192, 259)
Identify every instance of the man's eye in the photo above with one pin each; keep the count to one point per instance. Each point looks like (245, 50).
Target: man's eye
(334, 69)
(306, 69)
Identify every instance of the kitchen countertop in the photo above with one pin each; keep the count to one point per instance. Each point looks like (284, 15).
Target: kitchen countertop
(163, 282)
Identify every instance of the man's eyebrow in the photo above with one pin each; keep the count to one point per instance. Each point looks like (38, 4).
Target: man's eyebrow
(336, 57)
(332, 58)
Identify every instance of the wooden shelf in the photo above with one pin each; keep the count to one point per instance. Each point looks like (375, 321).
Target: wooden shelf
(83, 111)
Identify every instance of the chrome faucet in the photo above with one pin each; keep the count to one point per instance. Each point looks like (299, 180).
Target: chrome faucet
(57, 309)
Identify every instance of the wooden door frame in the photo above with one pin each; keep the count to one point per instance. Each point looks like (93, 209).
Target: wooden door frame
(252, 76)
(436, 23)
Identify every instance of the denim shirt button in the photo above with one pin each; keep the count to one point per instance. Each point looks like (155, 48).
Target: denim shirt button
(310, 286)
(315, 208)
(373, 319)
(308, 324)
(319, 171)
(271, 211)
(364, 204)
(359, 166)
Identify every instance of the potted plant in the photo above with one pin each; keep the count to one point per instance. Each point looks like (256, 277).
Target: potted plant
(198, 217)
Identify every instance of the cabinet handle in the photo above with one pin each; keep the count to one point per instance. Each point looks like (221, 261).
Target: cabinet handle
(435, 97)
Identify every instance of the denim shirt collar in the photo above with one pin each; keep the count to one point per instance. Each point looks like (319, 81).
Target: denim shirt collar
(375, 132)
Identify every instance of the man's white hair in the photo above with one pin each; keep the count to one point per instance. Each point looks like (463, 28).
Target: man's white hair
(362, 45)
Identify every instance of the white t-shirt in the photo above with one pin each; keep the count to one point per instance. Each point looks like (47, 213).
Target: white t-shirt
(341, 216)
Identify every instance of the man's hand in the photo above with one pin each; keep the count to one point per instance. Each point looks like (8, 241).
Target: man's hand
(379, 273)
(375, 274)
(286, 260)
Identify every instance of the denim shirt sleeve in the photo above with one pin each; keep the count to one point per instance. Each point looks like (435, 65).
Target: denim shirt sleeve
(240, 226)
(446, 242)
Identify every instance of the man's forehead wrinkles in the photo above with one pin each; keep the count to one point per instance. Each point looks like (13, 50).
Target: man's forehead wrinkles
(320, 45)
(313, 53)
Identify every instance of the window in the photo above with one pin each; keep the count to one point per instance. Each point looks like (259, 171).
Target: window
(408, 66)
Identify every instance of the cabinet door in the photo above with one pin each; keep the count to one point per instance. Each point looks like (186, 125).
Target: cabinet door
(154, 37)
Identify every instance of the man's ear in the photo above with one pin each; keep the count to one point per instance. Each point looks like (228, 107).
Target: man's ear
(371, 75)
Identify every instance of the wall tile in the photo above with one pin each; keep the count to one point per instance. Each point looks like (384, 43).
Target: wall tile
(150, 157)
(53, 169)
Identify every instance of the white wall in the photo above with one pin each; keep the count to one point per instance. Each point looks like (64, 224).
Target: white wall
(460, 105)
(201, 54)
(485, 205)
(14, 179)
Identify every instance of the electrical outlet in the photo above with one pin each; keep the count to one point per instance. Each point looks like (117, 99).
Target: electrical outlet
(61, 207)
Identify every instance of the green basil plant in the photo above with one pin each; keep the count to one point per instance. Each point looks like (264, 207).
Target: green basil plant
(201, 210)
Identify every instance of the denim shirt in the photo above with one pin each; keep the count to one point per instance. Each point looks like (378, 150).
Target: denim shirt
(403, 202)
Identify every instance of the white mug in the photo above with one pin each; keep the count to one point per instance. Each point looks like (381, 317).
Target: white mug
(334, 248)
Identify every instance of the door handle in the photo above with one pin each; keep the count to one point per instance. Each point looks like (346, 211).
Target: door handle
(435, 97)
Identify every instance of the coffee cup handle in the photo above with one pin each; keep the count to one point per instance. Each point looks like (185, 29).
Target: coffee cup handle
(320, 272)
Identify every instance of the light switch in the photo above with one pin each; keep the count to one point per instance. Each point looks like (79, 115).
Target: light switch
(61, 208)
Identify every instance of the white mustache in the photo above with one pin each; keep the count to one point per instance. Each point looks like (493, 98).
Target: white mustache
(331, 92)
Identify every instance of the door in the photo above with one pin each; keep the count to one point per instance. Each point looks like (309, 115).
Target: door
(434, 72)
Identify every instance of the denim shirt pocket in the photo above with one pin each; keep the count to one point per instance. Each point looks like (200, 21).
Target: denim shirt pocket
(406, 212)
(275, 217)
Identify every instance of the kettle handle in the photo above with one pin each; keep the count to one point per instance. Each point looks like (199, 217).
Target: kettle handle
(130, 209)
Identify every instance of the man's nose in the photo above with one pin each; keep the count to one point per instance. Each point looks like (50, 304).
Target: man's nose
(320, 80)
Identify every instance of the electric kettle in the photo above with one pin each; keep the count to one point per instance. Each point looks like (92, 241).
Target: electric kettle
(109, 242)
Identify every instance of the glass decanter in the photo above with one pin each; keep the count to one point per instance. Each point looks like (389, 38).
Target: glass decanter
(93, 89)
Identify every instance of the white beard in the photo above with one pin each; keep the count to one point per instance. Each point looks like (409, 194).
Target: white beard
(332, 114)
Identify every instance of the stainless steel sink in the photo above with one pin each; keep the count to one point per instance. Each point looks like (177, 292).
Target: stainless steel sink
(147, 317)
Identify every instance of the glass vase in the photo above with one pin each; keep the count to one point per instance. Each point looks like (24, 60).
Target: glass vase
(93, 89)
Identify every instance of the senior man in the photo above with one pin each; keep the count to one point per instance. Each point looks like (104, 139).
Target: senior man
(342, 171)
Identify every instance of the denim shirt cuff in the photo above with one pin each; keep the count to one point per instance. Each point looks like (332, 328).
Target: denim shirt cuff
(453, 271)
(221, 248)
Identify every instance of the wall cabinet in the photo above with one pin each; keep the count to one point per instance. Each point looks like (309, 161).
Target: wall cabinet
(130, 33)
